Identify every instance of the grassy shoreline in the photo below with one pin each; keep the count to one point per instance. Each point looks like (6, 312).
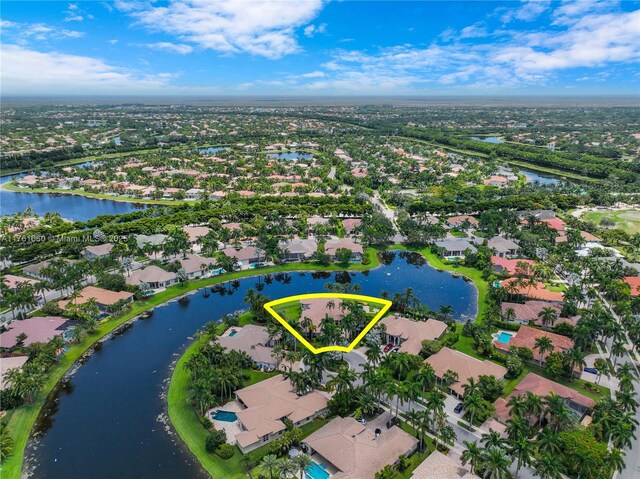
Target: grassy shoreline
(185, 422)
(22, 419)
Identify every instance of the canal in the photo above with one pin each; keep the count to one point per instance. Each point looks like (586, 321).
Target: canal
(109, 420)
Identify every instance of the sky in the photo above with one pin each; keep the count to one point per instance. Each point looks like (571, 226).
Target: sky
(319, 48)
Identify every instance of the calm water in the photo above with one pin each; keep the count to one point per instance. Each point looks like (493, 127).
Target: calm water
(211, 150)
(107, 422)
(72, 207)
(542, 178)
(290, 156)
(488, 139)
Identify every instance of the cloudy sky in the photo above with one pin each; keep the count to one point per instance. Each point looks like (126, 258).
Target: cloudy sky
(315, 47)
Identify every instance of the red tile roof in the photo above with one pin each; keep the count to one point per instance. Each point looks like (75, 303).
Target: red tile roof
(526, 338)
(634, 282)
(510, 266)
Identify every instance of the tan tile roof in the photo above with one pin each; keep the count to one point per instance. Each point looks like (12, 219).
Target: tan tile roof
(536, 290)
(102, 296)
(251, 339)
(12, 281)
(11, 362)
(38, 330)
(268, 402)
(150, 274)
(195, 232)
(466, 367)
(439, 466)
(332, 246)
(316, 310)
(526, 338)
(413, 332)
(355, 450)
(193, 262)
(543, 387)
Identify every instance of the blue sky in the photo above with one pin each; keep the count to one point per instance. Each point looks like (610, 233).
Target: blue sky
(316, 47)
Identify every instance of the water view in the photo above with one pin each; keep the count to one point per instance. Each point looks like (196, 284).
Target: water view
(290, 156)
(488, 139)
(112, 410)
(210, 150)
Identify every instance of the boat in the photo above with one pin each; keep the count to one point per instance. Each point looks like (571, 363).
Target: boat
(147, 314)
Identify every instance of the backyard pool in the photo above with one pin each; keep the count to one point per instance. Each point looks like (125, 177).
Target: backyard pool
(504, 337)
(316, 471)
(226, 416)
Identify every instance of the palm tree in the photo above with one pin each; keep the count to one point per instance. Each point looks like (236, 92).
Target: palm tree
(544, 345)
(534, 406)
(575, 359)
(548, 467)
(6, 442)
(472, 455)
(616, 459)
(618, 349)
(495, 463)
(473, 404)
(522, 451)
(286, 467)
(374, 354)
(548, 316)
(547, 442)
(269, 464)
(343, 381)
(303, 462)
(425, 376)
(445, 311)
(492, 439)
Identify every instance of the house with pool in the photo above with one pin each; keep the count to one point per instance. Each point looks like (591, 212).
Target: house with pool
(526, 337)
(347, 449)
(465, 366)
(264, 406)
(254, 341)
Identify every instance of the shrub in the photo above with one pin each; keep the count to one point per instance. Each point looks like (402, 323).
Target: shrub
(226, 451)
(215, 440)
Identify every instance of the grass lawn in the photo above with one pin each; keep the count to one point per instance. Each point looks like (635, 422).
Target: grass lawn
(21, 420)
(416, 459)
(627, 220)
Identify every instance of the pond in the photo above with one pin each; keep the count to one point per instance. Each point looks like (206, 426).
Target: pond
(290, 156)
(210, 150)
(72, 207)
(109, 420)
(488, 139)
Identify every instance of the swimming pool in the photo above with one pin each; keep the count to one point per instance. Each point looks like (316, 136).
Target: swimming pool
(226, 416)
(504, 337)
(233, 333)
(316, 471)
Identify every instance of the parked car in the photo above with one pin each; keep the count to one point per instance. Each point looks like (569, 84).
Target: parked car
(458, 408)
(591, 370)
(387, 348)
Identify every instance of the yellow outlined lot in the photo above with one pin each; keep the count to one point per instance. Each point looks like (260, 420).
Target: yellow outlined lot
(386, 304)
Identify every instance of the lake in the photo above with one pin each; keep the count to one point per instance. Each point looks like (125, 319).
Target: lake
(290, 156)
(72, 207)
(541, 177)
(109, 421)
(211, 150)
(488, 139)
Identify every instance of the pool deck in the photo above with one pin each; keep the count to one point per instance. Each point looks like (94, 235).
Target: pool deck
(231, 428)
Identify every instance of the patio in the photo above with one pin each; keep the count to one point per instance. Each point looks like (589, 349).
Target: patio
(230, 428)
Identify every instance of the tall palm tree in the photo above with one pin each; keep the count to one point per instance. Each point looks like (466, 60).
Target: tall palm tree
(495, 463)
(303, 462)
(548, 316)
(269, 464)
(522, 451)
(544, 345)
(575, 359)
(548, 467)
(548, 443)
(472, 455)
(473, 404)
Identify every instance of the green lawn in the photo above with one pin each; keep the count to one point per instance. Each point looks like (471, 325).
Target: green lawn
(627, 220)
(22, 419)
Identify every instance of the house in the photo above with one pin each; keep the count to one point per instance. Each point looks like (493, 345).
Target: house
(353, 451)
(459, 221)
(332, 246)
(298, 249)
(498, 181)
(542, 387)
(465, 366)
(195, 232)
(535, 290)
(246, 256)
(36, 269)
(12, 281)
(634, 284)
(317, 309)
(409, 334)
(7, 363)
(194, 193)
(267, 403)
(503, 247)
(586, 236)
(526, 338)
(252, 340)
(196, 266)
(540, 215)
(155, 240)
(527, 312)
(439, 466)
(350, 225)
(151, 277)
(38, 330)
(98, 251)
(455, 247)
(510, 266)
(316, 220)
(104, 298)
(556, 224)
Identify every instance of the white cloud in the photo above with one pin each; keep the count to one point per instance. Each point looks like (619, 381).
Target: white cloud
(529, 11)
(24, 32)
(25, 71)
(315, 74)
(260, 28)
(113, 41)
(312, 30)
(73, 13)
(179, 48)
